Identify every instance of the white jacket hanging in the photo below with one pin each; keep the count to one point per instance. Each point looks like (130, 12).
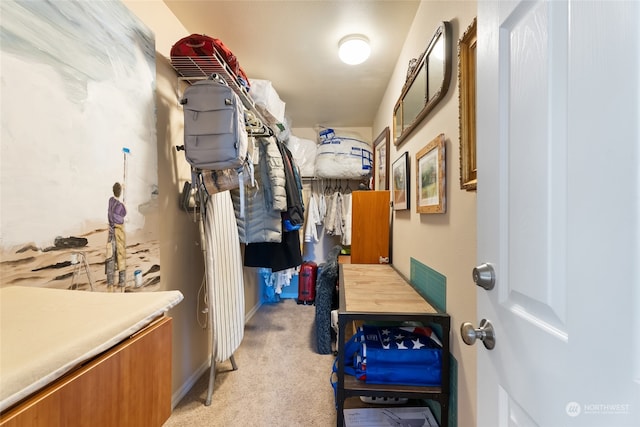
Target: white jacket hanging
(313, 220)
(346, 220)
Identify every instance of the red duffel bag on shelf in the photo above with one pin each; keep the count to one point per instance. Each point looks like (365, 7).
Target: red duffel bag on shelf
(198, 46)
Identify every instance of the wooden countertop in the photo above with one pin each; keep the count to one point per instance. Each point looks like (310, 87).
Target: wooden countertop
(378, 288)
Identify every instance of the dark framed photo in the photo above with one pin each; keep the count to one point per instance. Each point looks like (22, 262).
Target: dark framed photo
(400, 188)
(381, 161)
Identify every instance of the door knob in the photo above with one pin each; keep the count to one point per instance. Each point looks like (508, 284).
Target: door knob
(484, 276)
(484, 333)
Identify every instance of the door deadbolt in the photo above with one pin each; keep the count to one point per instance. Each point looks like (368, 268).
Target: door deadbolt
(484, 276)
(484, 333)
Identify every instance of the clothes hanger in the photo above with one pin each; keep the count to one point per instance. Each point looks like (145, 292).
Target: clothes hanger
(327, 188)
(255, 126)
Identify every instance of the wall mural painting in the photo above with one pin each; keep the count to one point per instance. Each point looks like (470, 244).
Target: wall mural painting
(79, 177)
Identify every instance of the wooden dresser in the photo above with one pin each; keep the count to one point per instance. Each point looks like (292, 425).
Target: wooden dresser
(370, 229)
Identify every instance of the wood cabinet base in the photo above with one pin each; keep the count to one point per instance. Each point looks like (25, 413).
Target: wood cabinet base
(130, 385)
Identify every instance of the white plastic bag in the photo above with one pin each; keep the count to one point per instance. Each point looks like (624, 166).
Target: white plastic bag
(304, 153)
(343, 158)
(266, 98)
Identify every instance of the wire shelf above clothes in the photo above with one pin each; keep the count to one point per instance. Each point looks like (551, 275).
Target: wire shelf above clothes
(191, 69)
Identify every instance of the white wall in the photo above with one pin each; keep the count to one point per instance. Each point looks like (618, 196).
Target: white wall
(61, 152)
(444, 242)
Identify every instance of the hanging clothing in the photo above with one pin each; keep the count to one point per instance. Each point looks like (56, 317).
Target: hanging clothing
(333, 219)
(294, 214)
(339, 214)
(265, 202)
(278, 279)
(313, 220)
(276, 256)
(276, 199)
(322, 207)
(346, 220)
(329, 216)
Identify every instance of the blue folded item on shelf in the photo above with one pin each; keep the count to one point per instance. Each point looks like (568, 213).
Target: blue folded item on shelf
(402, 355)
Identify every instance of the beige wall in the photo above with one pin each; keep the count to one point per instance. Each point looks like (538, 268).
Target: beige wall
(444, 242)
(181, 255)
(452, 236)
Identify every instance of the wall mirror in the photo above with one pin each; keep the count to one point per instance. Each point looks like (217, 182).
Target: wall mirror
(427, 82)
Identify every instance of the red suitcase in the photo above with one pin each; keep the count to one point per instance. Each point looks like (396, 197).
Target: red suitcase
(307, 282)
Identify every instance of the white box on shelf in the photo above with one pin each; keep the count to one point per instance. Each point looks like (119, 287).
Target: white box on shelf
(369, 417)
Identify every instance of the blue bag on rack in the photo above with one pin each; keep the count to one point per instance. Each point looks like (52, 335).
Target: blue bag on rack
(404, 355)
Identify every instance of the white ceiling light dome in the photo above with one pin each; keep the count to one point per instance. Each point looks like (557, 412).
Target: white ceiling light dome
(354, 49)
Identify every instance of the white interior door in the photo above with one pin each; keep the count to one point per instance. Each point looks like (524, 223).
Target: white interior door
(559, 212)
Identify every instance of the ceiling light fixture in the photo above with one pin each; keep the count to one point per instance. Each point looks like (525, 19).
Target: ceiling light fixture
(354, 49)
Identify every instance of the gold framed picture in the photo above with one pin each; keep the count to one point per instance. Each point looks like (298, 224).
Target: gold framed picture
(467, 105)
(430, 177)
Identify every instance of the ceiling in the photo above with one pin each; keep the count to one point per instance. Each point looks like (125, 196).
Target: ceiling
(294, 44)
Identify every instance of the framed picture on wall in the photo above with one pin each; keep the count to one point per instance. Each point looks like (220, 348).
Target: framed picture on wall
(400, 189)
(430, 177)
(467, 108)
(381, 161)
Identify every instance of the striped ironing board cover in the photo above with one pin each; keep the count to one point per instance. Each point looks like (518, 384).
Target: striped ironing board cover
(224, 274)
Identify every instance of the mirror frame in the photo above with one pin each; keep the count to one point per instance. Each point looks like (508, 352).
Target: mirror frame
(467, 106)
(400, 132)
